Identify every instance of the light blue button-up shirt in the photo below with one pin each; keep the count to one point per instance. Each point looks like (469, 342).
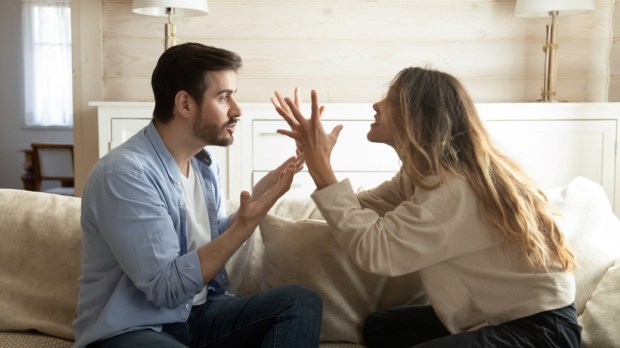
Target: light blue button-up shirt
(135, 271)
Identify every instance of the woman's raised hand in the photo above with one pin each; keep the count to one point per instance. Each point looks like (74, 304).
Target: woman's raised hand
(310, 136)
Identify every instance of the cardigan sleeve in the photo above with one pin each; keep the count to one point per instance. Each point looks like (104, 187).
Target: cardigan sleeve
(427, 228)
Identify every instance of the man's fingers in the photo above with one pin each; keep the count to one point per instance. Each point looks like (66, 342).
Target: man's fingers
(299, 162)
(292, 159)
(244, 202)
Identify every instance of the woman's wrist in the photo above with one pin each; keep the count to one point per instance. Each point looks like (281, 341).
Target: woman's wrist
(322, 174)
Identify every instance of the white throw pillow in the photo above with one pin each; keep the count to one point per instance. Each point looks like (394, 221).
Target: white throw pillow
(602, 313)
(304, 252)
(592, 230)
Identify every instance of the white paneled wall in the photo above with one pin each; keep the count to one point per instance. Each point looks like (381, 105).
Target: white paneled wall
(350, 49)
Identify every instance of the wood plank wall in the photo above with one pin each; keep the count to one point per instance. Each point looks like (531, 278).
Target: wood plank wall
(350, 49)
(614, 56)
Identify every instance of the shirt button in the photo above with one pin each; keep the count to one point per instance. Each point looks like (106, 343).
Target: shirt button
(187, 306)
(181, 203)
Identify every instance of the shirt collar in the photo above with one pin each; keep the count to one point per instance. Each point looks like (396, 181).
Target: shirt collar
(204, 157)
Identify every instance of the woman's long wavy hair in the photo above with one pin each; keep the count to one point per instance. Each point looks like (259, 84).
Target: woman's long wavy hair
(438, 132)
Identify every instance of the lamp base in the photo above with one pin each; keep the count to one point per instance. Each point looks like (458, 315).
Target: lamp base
(169, 30)
(550, 48)
(170, 36)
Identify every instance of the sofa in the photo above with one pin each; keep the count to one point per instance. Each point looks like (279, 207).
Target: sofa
(40, 265)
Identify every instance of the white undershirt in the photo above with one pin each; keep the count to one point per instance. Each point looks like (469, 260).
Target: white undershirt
(198, 230)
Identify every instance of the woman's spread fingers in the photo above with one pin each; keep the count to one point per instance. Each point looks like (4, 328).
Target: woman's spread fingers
(295, 111)
(336, 131)
(286, 116)
(297, 97)
(281, 101)
(317, 110)
(288, 133)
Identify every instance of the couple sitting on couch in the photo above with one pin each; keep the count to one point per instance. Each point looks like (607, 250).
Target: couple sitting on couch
(481, 235)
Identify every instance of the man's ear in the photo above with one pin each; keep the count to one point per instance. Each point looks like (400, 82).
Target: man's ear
(183, 103)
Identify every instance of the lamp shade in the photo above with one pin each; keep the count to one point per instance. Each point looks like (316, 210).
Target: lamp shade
(182, 8)
(541, 8)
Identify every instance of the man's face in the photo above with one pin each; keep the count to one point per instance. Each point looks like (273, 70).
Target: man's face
(217, 116)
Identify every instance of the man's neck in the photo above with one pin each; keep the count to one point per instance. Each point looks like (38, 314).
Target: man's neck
(179, 144)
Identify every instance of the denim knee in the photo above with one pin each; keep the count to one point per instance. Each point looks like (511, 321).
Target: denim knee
(301, 295)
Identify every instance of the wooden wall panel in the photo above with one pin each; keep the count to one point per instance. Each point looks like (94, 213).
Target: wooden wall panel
(614, 89)
(340, 90)
(614, 56)
(263, 58)
(366, 21)
(350, 49)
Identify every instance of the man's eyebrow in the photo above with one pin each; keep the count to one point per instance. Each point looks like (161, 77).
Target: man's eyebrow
(227, 91)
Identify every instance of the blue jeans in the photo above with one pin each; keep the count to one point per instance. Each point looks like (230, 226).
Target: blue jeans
(286, 316)
(418, 326)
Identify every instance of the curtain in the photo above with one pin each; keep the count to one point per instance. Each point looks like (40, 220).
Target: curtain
(47, 62)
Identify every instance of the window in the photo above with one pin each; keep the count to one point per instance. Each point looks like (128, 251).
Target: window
(47, 62)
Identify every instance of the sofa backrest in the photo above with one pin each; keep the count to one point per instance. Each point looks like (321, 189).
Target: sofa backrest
(39, 261)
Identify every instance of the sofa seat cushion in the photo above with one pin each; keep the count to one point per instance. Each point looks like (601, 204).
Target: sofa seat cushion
(40, 261)
(31, 339)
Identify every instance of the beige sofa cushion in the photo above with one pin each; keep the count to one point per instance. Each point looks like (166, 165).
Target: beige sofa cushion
(305, 252)
(40, 258)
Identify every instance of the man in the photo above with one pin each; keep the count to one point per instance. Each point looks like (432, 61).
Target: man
(152, 213)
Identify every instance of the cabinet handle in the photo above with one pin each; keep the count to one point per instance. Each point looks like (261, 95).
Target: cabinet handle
(269, 133)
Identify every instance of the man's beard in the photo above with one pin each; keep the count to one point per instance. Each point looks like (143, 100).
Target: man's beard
(213, 134)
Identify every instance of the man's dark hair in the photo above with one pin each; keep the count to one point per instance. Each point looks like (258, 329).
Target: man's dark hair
(183, 68)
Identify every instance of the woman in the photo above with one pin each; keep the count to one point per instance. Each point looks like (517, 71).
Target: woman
(482, 235)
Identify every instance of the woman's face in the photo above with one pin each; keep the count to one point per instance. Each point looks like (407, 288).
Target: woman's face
(380, 130)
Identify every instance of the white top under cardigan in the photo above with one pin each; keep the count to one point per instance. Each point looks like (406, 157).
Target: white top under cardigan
(470, 279)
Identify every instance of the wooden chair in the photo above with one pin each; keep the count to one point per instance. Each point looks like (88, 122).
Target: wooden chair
(54, 162)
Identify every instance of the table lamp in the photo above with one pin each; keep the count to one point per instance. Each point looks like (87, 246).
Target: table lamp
(170, 8)
(553, 8)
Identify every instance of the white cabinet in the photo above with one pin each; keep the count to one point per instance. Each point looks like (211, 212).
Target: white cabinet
(553, 142)
(366, 164)
(567, 148)
(118, 121)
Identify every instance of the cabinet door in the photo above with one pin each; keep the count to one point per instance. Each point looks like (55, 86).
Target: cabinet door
(353, 152)
(303, 185)
(125, 128)
(554, 152)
